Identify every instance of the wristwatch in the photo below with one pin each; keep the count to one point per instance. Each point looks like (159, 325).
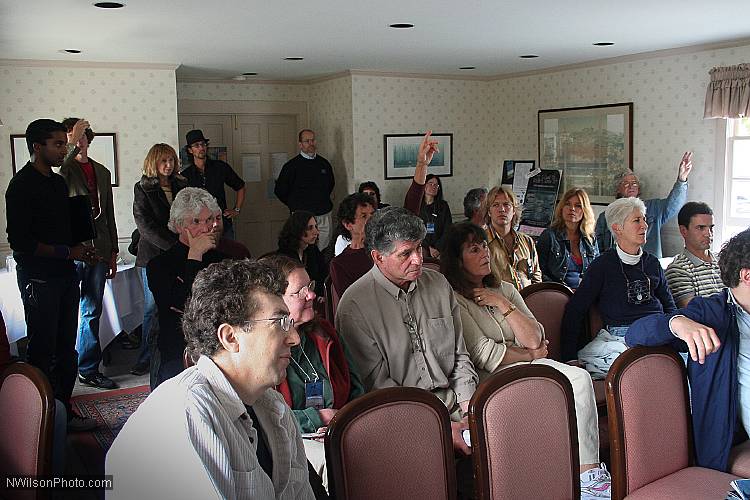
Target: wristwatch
(510, 310)
(236, 209)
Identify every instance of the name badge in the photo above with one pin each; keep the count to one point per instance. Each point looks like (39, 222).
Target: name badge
(314, 394)
(430, 227)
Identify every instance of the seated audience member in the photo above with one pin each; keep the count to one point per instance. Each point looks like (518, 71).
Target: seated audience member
(625, 283)
(346, 268)
(414, 195)
(659, 211)
(715, 330)
(694, 272)
(473, 202)
(500, 331)
(321, 377)
(372, 189)
(402, 322)
(568, 246)
(297, 240)
(219, 429)
(153, 195)
(195, 217)
(514, 256)
(436, 215)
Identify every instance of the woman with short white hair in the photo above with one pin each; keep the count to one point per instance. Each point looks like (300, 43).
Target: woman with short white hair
(624, 283)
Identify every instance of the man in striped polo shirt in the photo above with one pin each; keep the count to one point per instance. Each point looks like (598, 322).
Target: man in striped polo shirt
(695, 271)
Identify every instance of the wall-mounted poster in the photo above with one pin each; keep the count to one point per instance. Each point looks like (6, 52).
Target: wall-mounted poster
(589, 145)
(539, 204)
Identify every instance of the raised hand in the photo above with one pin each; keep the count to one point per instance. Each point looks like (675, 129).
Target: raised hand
(427, 149)
(78, 129)
(686, 165)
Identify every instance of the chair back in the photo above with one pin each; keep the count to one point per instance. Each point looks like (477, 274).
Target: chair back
(27, 414)
(392, 443)
(649, 418)
(509, 428)
(547, 302)
(434, 265)
(332, 298)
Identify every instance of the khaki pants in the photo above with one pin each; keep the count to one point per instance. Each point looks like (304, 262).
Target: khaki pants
(324, 226)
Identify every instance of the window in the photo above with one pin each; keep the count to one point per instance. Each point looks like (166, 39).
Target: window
(736, 199)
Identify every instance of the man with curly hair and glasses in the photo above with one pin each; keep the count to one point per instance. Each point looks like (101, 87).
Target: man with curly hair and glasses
(219, 429)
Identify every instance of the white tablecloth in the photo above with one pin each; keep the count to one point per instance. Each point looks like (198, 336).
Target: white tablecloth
(122, 309)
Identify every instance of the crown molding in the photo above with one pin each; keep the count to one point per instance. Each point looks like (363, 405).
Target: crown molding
(250, 81)
(35, 63)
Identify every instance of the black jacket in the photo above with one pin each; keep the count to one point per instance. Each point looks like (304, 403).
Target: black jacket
(151, 212)
(553, 249)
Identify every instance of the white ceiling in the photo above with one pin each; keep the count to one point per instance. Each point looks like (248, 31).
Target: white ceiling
(223, 38)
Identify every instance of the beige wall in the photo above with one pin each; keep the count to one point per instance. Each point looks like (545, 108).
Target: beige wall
(138, 104)
(242, 91)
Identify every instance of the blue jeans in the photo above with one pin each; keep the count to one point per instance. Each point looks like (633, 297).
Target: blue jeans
(149, 318)
(93, 278)
(50, 307)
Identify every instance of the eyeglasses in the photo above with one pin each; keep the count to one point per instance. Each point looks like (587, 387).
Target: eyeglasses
(628, 184)
(285, 322)
(302, 292)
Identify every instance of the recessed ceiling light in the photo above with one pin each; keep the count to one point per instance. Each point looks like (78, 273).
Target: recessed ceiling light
(72, 51)
(603, 44)
(529, 56)
(109, 5)
(249, 73)
(401, 26)
(468, 67)
(293, 58)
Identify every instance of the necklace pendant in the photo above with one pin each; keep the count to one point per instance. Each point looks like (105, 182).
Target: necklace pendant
(639, 297)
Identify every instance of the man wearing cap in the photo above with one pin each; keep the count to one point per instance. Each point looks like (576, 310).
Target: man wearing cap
(212, 175)
(306, 183)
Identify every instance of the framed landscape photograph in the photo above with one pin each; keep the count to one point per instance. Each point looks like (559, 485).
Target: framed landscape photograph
(588, 145)
(102, 149)
(400, 151)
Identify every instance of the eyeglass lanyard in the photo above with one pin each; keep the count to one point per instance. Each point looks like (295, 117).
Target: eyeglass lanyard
(304, 373)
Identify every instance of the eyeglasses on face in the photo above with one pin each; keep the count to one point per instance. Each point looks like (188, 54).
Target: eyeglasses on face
(302, 292)
(628, 184)
(285, 322)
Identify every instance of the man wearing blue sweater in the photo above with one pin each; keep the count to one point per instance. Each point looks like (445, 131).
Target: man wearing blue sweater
(716, 332)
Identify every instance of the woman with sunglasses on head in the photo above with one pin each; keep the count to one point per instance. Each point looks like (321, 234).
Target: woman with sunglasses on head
(500, 331)
(320, 378)
(625, 283)
(568, 246)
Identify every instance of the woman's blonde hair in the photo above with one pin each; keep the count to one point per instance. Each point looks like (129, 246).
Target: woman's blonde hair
(490, 199)
(154, 155)
(587, 223)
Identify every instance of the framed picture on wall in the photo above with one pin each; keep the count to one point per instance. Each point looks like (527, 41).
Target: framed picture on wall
(102, 149)
(400, 152)
(589, 145)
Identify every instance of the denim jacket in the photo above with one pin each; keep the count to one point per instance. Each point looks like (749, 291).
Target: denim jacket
(552, 247)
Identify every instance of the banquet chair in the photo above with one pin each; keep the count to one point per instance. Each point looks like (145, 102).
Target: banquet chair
(509, 430)
(27, 415)
(651, 430)
(391, 443)
(547, 302)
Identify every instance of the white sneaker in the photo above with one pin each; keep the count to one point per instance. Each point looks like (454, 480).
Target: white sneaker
(596, 483)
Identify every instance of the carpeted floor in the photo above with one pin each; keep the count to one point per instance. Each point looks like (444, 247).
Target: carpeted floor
(110, 409)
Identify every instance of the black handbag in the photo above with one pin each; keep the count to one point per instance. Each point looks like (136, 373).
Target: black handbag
(82, 225)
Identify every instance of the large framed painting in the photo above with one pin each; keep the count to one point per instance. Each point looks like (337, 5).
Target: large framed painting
(102, 149)
(400, 152)
(589, 145)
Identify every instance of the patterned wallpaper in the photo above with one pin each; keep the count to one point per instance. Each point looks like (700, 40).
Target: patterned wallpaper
(331, 119)
(139, 105)
(668, 95)
(397, 105)
(242, 91)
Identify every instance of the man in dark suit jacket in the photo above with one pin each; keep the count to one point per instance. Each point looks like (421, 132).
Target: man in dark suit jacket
(86, 176)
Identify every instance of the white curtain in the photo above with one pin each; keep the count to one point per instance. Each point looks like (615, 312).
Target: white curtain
(728, 94)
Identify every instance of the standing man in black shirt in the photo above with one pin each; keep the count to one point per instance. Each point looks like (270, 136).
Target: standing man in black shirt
(40, 235)
(306, 183)
(211, 175)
